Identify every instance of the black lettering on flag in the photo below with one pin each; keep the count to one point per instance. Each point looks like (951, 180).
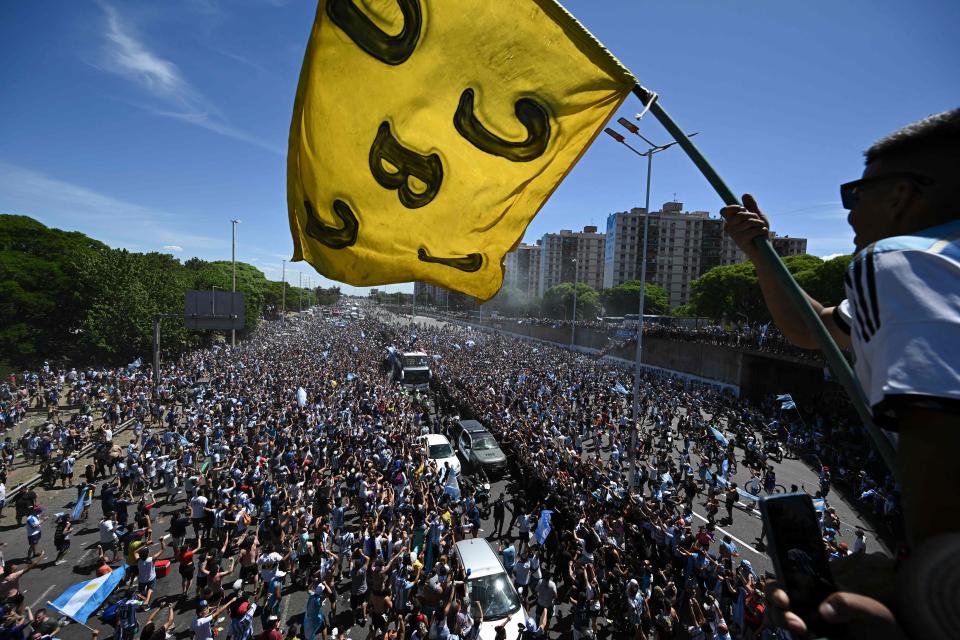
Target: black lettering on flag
(365, 34)
(471, 262)
(329, 236)
(531, 114)
(408, 164)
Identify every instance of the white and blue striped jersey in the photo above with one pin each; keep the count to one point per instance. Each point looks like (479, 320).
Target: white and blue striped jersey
(903, 315)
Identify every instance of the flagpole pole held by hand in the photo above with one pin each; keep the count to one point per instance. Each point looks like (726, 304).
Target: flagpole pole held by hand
(766, 255)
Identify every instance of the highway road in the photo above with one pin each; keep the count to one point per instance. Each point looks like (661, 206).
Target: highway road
(49, 580)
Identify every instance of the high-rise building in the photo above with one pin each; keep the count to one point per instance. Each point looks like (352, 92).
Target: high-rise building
(521, 269)
(681, 246)
(558, 252)
(787, 246)
(430, 294)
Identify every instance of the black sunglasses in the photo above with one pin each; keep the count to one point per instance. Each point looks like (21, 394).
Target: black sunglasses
(849, 192)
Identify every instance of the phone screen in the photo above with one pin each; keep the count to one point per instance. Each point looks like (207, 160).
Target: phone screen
(796, 546)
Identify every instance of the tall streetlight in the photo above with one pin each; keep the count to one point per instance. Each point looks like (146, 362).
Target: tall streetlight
(300, 293)
(233, 263)
(573, 325)
(648, 154)
(283, 294)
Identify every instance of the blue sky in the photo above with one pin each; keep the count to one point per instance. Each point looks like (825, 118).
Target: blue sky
(149, 125)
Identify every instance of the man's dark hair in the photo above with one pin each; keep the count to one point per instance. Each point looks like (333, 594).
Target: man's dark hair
(940, 131)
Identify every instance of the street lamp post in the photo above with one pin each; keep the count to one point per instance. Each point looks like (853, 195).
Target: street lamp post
(213, 299)
(283, 294)
(573, 325)
(233, 264)
(300, 293)
(654, 149)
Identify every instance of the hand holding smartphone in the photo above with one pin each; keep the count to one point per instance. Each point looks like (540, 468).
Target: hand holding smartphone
(799, 557)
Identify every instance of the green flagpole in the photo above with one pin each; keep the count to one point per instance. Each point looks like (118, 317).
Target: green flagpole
(838, 364)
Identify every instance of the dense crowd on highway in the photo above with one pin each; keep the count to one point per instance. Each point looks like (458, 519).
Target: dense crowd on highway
(293, 463)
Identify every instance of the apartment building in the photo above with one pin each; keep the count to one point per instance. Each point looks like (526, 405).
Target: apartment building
(681, 246)
(522, 269)
(571, 256)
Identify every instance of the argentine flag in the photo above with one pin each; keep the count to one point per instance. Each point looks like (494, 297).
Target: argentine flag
(543, 526)
(83, 501)
(80, 601)
(722, 439)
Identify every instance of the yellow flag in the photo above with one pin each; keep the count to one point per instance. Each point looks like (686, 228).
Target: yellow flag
(427, 134)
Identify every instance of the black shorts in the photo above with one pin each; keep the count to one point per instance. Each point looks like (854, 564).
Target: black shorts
(187, 571)
(357, 600)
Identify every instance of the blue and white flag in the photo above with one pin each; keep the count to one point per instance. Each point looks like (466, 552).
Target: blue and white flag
(82, 502)
(784, 397)
(619, 388)
(789, 405)
(136, 364)
(351, 376)
(543, 526)
(81, 600)
(763, 332)
(301, 396)
(719, 436)
(725, 467)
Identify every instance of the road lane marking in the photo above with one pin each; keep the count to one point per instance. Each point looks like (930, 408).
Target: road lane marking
(727, 533)
(42, 596)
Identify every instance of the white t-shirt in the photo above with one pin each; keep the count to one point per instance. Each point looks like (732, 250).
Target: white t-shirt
(146, 570)
(107, 534)
(903, 315)
(860, 545)
(198, 506)
(202, 629)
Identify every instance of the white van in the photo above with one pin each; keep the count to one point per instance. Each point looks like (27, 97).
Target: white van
(488, 582)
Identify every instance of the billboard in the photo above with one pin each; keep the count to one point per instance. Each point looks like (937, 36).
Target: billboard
(214, 310)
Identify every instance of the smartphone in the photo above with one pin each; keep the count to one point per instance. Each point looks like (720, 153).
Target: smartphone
(795, 545)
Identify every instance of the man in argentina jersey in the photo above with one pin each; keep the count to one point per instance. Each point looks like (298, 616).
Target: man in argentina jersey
(901, 315)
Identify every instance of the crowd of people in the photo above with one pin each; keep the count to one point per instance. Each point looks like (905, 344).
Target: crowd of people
(741, 335)
(293, 464)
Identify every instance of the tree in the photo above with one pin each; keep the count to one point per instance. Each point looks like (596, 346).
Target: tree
(558, 301)
(40, 305)
(327, 296)
(67, 297)
(625, 298)
(733, 292)
(511, 301)
(827, 288)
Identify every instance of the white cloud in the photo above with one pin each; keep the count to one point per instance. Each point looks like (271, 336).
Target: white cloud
(111, 220)
(127, 56)
(173, 248)
(832, 256)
